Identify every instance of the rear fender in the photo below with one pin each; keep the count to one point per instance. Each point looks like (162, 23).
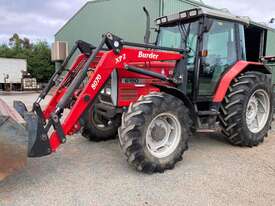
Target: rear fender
(233, 72)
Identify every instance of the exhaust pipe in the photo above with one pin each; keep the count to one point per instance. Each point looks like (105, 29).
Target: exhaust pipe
(147, 31)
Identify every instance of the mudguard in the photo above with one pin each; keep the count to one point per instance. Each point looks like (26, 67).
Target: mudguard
(233, 72)
(179, 94)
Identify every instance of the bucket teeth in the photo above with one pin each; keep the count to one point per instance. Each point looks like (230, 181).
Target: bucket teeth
(39, 144)
(38, 141)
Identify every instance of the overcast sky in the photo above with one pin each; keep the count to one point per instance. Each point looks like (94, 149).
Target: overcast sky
(40, 19)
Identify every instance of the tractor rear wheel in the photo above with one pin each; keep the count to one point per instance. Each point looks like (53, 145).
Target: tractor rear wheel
(246, 112)
(155, 132)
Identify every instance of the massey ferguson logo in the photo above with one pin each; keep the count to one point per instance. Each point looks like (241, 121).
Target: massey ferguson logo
(148, 55)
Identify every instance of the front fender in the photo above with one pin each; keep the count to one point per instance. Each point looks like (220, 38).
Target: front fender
(179, 94)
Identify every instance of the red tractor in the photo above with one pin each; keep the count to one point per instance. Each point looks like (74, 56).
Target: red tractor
(199, 74)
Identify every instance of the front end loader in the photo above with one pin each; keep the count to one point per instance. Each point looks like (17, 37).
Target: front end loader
(199, 76)
(82, 85)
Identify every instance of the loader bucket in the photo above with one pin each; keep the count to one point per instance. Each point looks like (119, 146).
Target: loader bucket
(13, 141)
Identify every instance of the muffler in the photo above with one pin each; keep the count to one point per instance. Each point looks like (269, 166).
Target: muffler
(13, 141)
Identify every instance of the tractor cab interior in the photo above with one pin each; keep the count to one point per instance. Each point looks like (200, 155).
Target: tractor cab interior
(254, 42)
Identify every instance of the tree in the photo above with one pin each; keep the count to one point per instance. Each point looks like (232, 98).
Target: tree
(15, 41)
(38, 56)
(40, 65)
(26, 43)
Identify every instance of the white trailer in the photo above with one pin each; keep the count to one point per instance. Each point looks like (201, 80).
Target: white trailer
(11, 73)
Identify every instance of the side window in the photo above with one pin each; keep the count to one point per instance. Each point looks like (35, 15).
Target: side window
(191, 44)
(170, 37)
(242, 42)
(222, 53)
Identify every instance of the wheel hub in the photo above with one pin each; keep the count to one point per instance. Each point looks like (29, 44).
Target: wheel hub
(257, 111)
(163, 135)
(252, 109)
(100, 122)
(159, 131)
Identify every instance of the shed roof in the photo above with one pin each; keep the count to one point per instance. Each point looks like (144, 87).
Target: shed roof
(84, 6)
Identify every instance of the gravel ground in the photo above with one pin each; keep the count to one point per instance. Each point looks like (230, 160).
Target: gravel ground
(87, 173)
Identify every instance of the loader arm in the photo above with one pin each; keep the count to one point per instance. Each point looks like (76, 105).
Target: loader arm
(76, 67)
(81, 59)
(105, 67)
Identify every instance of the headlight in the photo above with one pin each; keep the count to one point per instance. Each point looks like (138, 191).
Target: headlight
(106, 91)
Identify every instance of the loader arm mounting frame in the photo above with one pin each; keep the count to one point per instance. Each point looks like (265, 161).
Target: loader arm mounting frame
(117, 57)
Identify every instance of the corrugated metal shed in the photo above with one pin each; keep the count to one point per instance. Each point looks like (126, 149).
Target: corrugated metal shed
(126, 19)
(121, 17)
(270, 47)
(170, 7)
(270, 51)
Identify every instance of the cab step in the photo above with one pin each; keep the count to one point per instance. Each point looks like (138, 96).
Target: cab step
(208, 113)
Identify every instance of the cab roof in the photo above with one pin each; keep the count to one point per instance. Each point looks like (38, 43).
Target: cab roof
(216, 13)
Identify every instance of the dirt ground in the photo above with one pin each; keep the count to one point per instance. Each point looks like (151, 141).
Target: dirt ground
(86, 173)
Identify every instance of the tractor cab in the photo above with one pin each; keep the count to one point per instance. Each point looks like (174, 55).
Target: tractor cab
(216, 40)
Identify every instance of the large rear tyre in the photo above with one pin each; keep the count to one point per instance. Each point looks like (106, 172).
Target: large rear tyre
(247, 109)
(97, 128)
(155, 132)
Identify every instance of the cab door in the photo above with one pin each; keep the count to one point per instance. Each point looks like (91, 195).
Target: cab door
(220, 52)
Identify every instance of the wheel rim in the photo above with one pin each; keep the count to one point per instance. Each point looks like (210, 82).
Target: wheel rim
(257, 111)
(163, 135)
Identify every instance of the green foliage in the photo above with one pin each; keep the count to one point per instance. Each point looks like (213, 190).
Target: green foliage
(38, 56)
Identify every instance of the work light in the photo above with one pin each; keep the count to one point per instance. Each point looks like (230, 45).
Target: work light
(183, 15)
(158, 21)
(193, 13)
(164, 19)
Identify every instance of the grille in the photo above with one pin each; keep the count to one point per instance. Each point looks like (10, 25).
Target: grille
(128, 94)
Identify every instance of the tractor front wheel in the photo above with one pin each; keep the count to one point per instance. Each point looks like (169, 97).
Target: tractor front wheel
(155, 132)
(97, 128)
(246, 112)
